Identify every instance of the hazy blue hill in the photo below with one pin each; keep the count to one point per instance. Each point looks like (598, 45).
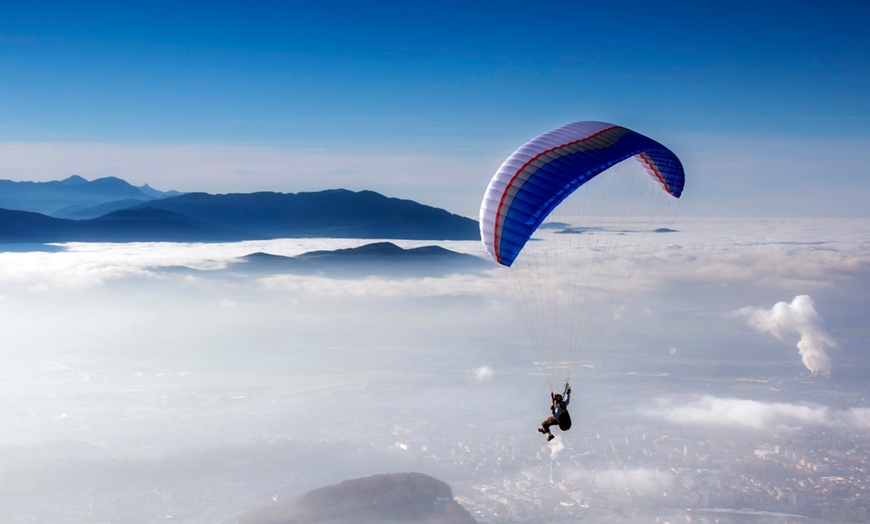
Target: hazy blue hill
(155, 193)
(149, 225)
(110, 209)
(335, 213)
(399, 498)
(71, 194)
(380, 258)
(83, 213)
(28, 227)
(122, 226)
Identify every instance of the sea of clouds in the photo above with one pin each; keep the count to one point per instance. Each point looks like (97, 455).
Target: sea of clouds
(188, 350)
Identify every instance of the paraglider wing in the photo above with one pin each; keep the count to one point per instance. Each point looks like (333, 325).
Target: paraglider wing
(544, 171)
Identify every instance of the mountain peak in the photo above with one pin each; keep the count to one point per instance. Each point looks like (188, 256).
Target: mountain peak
(74, 196)
(73, 180)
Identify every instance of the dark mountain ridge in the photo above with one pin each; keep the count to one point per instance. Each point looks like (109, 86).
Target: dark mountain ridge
(379, 258)
(124, 226)
(399, 497)
(332, 213)
(202, 217)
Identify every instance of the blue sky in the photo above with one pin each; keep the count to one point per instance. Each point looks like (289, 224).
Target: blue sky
(766, 102)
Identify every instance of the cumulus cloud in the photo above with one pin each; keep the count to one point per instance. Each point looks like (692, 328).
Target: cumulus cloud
(483, 373)
(751, 414)
(798, 317)
(556, 446)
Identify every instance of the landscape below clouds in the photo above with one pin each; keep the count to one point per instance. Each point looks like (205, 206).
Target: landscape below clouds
(147, 380)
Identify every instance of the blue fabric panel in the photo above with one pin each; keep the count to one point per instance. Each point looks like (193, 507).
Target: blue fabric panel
(554, 181)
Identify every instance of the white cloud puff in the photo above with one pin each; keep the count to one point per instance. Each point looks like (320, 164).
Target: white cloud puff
(484, 373)
(637, 481)
(798, 317)
(752, 414)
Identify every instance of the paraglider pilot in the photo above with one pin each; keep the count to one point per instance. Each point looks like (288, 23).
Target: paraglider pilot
(559, 410)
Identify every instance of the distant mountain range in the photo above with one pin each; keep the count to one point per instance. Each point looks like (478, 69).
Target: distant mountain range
(111, 210)
(75, 197)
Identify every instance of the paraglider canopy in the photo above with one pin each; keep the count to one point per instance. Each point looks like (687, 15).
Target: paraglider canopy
(543, 172)
(603, 190)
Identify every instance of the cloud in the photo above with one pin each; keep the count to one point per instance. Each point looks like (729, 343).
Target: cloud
(88, 265)
(619, 312)
(751, 414)
(771, 254)
(320, 287)
(727, 256)
(83, 265)
(483, 373)
(798, 317)
(40, 272)
(857, 417)
(227, 303)
(637, 481)
(556, 446)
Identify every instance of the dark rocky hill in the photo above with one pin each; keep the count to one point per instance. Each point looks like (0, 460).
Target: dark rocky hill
(400, 498)
(379, 258)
